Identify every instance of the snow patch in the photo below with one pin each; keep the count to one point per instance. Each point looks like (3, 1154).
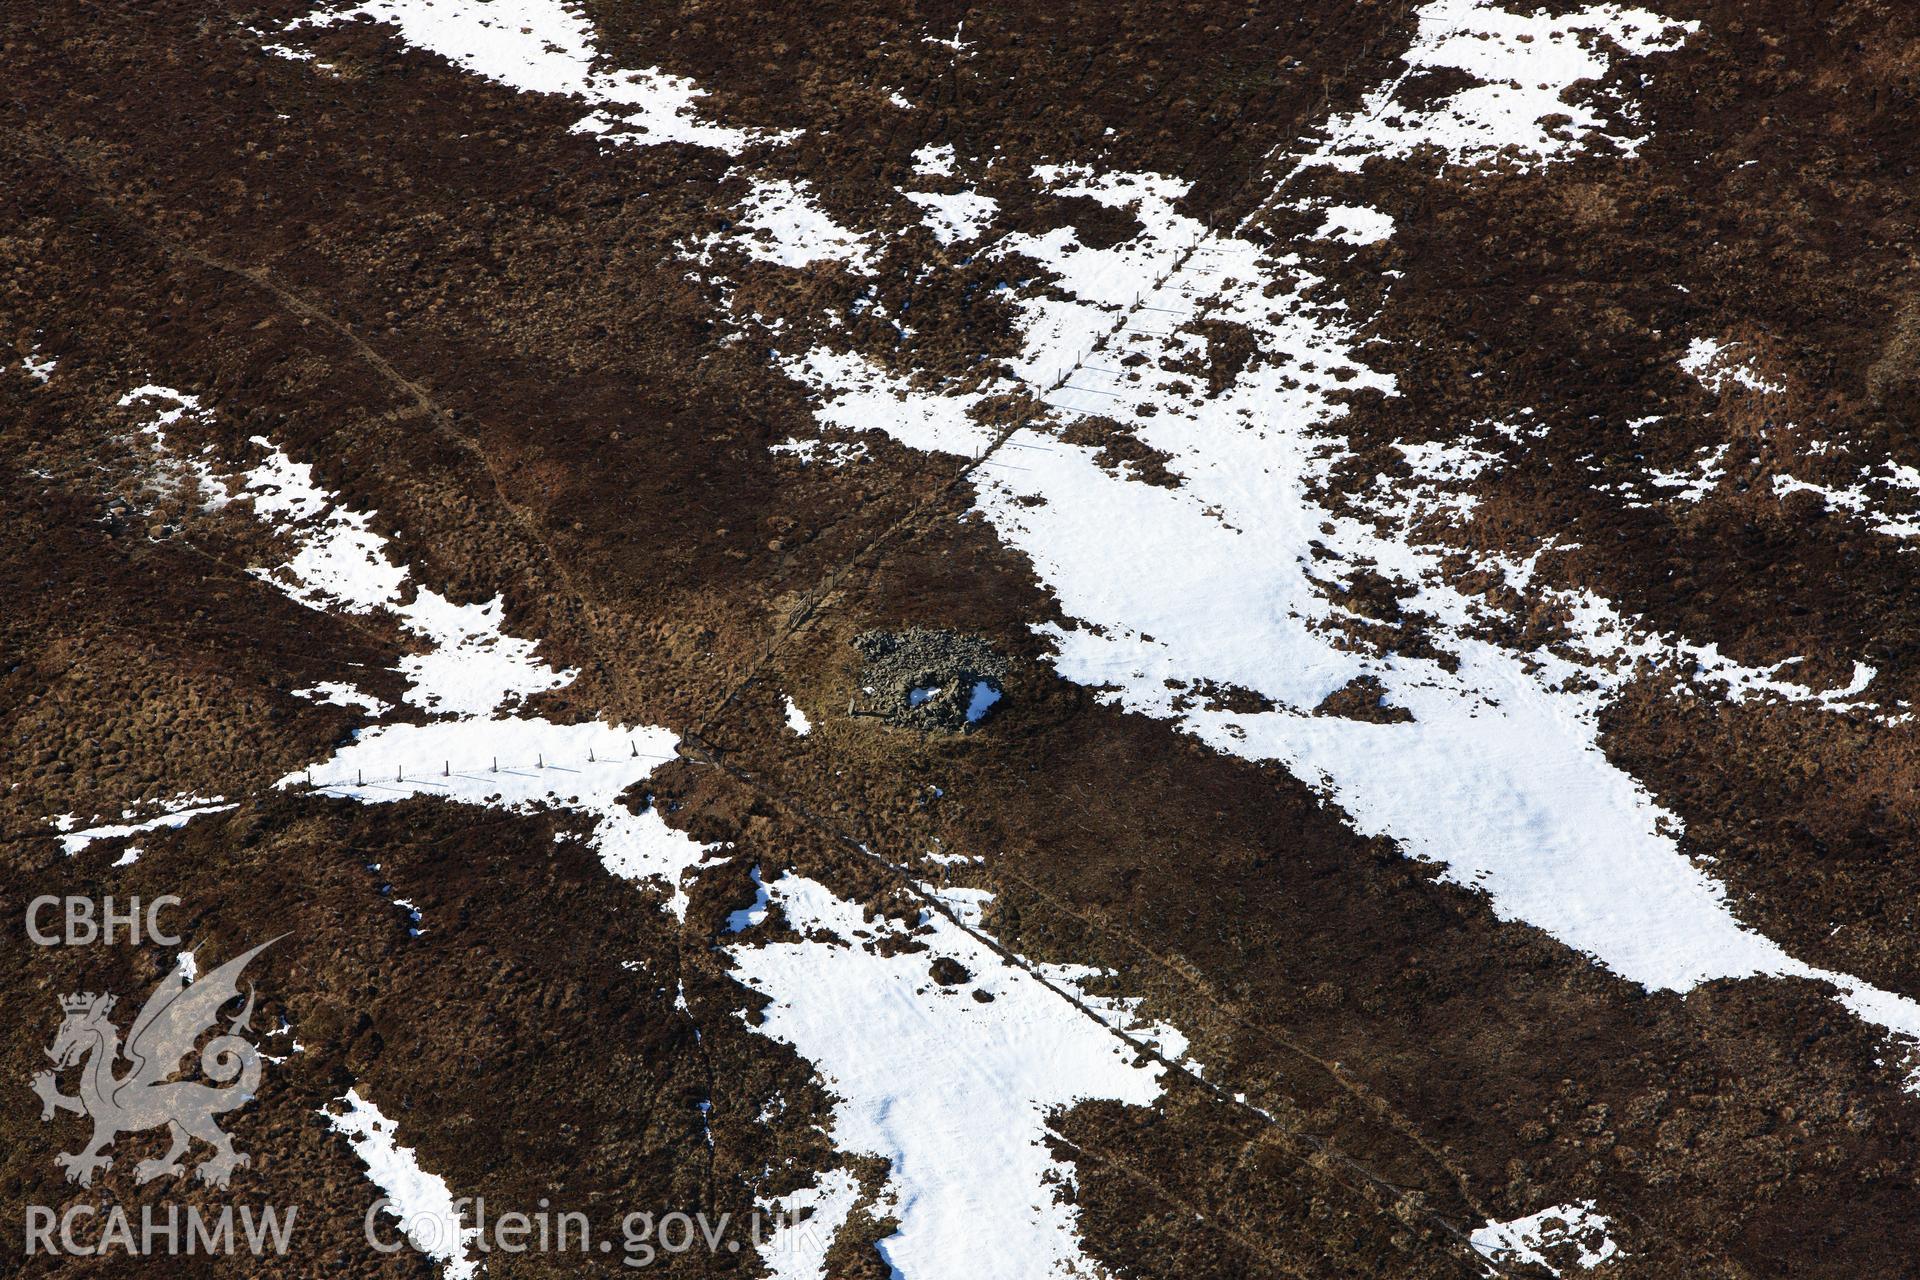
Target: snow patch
(781, 222)
(797, 719)
(934, 161)
(1226, 578)
(472, 667)
(1528, 65)
(547, 46)
(1356, 224)
(1859, 502)
(338, 693)
(958, 1098)
(1694, 484)
(1715, 366)
(74, 841)
(835, 453)
(963, 215)
(749, 916)
(472, 677)
(797, 1250)
(1521, 1241)
(421, 1201)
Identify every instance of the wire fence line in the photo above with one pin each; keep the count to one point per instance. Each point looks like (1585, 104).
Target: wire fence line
(427, 778)
(427, 775)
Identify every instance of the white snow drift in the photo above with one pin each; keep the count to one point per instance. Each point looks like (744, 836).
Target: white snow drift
(421, 1201)
(1498, 776)
(953, 1091)
(546, 46)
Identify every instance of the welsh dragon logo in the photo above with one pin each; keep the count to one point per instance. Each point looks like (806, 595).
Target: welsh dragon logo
(172, 1021)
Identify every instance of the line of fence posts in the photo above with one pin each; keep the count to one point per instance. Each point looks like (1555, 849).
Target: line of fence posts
(493, 767)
